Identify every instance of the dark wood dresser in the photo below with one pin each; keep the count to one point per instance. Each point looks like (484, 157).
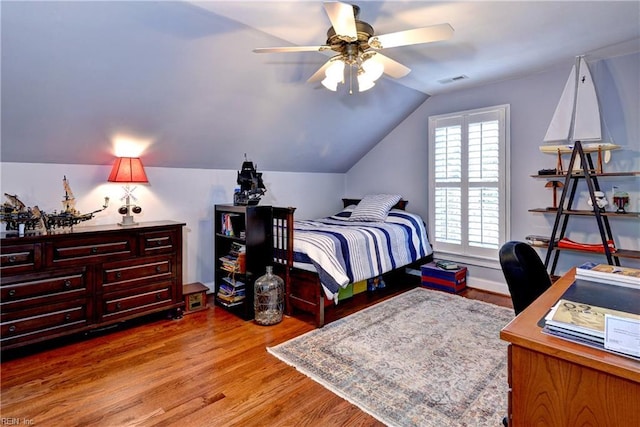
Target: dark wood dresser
(59, 283)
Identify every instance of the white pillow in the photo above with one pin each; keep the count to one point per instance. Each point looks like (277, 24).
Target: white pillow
(374, 207)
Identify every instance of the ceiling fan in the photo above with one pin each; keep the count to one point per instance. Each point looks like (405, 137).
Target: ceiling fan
(358, 47)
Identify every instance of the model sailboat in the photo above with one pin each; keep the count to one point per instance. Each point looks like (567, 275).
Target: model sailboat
(577, 118)
(251, 185)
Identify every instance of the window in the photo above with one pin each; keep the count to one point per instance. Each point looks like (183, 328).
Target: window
(468, 174)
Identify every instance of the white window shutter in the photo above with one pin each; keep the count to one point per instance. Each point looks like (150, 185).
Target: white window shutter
(468, 171)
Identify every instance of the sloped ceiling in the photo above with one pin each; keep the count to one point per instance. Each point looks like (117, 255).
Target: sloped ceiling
(182, 77)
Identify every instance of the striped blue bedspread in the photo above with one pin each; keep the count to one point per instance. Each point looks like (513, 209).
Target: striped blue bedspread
(344, 252)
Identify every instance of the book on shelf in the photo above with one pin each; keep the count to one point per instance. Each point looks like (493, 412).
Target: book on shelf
(229, 264)
(229, 259)
(230, 298)
(447, 265)
(237, 249)
(228, 303)
(233, 282)
(229, 292)
(227, 221)
(609, 274)
(229, 268)
(536, 240)
(231, 289)
(233, 264)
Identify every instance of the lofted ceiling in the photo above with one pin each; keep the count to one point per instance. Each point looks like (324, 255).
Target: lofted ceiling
(182, 78)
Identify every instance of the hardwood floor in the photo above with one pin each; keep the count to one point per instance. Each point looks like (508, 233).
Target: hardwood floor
(209, 368)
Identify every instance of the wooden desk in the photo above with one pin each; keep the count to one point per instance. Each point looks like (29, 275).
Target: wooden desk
(554, 382)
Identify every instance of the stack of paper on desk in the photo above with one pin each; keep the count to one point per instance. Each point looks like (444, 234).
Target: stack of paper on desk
(588, 324)
(609, 274)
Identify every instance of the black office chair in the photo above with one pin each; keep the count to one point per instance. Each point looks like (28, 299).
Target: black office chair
(526, 275)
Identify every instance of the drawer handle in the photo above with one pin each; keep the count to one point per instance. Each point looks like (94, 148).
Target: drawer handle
(94, 250)
(118, 306)
(67, 284)
(158, 269)
(67, 317)
(12, 258)
(12, 293)
(118, 274)
(158, 296)
(12, 328)
(158, 242)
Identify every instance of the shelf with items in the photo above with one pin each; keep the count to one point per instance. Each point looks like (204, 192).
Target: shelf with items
(584, 212)
(580, 174)
(557, 241)
(619, 253)
(242, 251)
(232, 291)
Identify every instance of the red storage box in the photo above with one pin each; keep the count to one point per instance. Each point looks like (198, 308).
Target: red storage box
(452, 281)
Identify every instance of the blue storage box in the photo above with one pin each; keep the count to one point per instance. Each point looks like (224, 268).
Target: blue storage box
(452, 281)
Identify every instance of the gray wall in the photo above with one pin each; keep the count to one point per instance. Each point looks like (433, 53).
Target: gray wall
(399, 162)
(181, 194)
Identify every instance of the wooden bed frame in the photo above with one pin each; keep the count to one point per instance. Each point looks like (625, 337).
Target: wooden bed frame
(303, 290)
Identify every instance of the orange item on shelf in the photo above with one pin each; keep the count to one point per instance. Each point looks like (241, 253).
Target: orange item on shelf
(242, 263)
(593, 247)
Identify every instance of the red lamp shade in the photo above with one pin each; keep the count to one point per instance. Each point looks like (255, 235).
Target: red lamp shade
(128, 169)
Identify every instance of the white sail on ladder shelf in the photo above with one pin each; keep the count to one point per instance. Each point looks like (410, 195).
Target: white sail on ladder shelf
(577, 118)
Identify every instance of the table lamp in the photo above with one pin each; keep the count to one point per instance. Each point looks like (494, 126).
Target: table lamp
(128, 170)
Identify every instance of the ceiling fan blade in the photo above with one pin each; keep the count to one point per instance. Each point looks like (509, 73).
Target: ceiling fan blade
(433, 33)
(391, 67)
(342, 19)
(291, 49)
(320, 74)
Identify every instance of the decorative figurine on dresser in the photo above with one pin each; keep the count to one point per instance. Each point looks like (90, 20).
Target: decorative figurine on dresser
(17, 216)
(56, 284)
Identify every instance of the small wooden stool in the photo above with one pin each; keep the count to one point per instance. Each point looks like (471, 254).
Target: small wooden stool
(195, 297)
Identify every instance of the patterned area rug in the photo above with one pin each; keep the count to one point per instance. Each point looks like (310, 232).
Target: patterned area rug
(422, 358)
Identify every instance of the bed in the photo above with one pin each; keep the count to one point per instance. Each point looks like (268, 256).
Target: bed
(368, 238)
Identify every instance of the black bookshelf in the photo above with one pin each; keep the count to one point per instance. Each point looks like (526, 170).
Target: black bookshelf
(238, 229)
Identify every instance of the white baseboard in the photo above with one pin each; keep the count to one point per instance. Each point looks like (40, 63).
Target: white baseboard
(488, 285)
(211, 286)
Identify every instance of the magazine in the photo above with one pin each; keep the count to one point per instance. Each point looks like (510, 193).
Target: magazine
(582, 319)
(609, 274)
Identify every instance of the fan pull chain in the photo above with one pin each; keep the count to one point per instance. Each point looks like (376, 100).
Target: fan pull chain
(350, 80)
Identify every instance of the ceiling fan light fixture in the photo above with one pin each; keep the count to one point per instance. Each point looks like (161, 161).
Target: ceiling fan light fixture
(356, 44)
(330, 84)
(335, 71)
(372, 69)
(364, 83)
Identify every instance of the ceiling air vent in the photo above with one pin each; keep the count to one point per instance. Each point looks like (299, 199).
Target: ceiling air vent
(453, 79)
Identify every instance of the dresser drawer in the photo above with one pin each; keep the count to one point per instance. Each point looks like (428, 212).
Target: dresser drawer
(43, 321)
(126, 274)
(77, 279)
(158, 242)
(91, 249)
(143, 298)
(21, 258)
(43, 288)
